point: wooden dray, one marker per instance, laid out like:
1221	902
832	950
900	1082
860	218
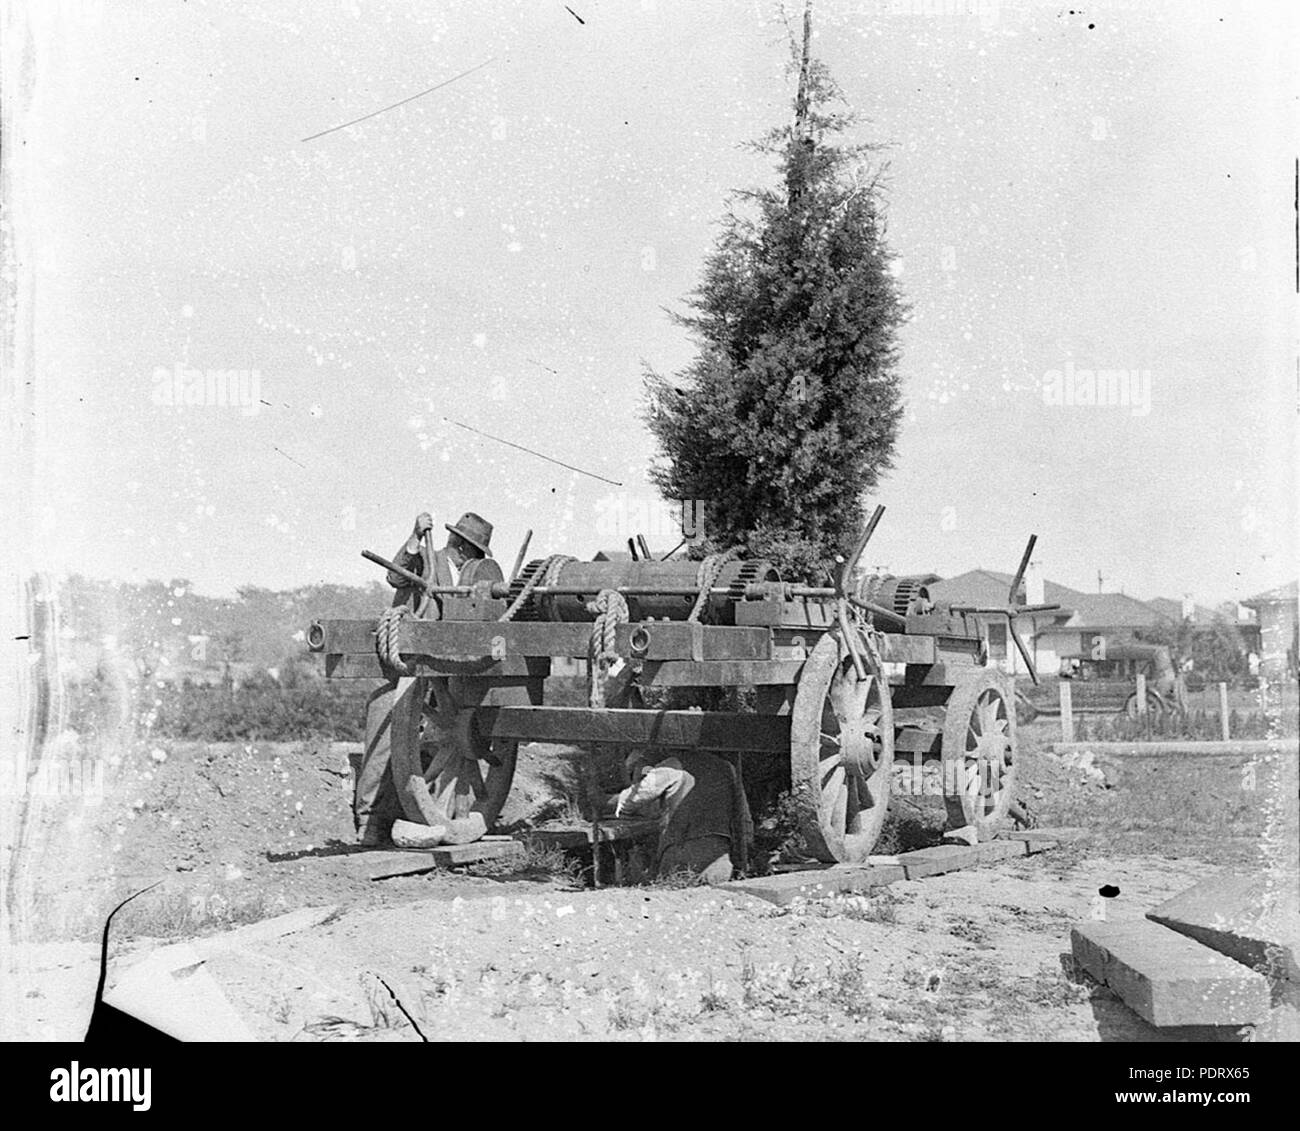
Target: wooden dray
833	669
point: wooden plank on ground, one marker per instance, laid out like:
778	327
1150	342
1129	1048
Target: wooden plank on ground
383	864
810	883
951	857
610	830
1039	840
1168	979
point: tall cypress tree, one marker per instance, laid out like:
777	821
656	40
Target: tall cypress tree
789	413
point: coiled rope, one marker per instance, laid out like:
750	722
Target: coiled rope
610	607
386	635
707	574
390	621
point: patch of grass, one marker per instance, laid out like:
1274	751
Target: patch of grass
1052	988
714	998
380	1005
970	931
849	990
538	862
1212	809
881	906
180	914
384	1013
1196	725
281	1009
671	881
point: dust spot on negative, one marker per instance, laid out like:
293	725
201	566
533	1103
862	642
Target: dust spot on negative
1110	891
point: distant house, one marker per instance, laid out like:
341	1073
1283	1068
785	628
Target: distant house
1277	612
990	588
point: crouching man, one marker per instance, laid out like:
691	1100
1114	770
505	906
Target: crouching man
704	822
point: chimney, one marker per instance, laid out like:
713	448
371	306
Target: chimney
1189	607
1034	587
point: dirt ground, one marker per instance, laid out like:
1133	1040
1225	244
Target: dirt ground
234	834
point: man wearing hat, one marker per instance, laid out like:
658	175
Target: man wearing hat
468	540
467	557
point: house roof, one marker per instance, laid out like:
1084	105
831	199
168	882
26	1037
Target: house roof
1173	610
1091	610
1114	610
989	587
1283	594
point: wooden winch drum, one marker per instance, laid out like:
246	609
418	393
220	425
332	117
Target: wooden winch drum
592	577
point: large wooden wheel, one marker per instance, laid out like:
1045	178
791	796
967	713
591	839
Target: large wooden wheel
435	736
841	753
979	752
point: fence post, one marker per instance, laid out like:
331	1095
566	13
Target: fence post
1141	694
1223	710
1067	712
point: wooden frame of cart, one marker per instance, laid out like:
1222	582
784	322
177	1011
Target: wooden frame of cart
830	666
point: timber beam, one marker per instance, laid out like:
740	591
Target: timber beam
698	730
462	641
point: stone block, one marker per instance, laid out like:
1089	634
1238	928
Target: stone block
1168	979
1245	917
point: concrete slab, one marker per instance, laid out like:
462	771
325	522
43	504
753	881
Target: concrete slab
810	883
1244	917
1168	979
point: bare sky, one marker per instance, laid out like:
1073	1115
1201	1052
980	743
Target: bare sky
1104	190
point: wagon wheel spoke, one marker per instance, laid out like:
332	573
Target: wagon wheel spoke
839	810
473	777
832	787
859	792
438	764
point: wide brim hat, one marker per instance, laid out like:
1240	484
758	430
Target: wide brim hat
475	529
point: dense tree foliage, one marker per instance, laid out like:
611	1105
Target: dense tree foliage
789	413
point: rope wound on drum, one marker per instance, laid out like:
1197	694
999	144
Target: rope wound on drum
707	575
543	576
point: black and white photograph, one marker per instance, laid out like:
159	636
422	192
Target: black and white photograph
651	521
